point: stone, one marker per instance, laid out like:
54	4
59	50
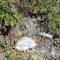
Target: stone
25	43
2	56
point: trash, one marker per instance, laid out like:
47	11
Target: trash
25	43
46	35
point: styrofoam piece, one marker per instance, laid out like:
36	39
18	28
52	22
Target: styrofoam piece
25	43
46	35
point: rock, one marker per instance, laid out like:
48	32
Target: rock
2	56
39	18
46	47
25	43
30	27
16	29
53	53
31	30
38	56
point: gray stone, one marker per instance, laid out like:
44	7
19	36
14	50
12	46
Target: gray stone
2	56
31	30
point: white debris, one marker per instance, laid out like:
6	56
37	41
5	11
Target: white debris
46	35
25	43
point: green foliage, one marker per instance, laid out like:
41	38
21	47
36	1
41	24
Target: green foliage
53	18
7	48
59	58
7	17
51	6
10	15
34	6
18	58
